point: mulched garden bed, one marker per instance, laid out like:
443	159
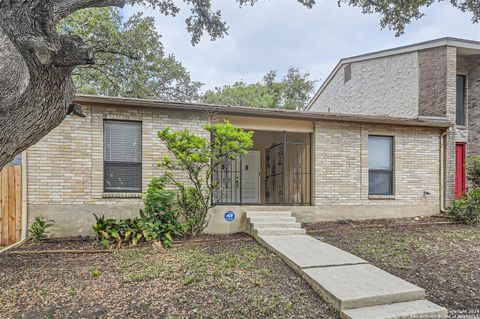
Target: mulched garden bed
207	277
433	253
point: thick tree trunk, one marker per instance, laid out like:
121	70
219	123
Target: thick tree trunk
36	89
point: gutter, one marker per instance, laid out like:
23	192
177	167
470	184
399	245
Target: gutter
97	101
442	171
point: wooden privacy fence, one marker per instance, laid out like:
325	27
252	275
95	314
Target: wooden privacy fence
10	204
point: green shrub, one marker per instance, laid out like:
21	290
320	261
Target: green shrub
38	229
467	208
199	157
473	170
189	203
133	230
158	221
157	200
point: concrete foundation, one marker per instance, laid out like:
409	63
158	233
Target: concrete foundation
73	220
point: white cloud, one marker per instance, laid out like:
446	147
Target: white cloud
279	34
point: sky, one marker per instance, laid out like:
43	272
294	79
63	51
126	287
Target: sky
277	34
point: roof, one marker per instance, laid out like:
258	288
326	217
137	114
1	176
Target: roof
467	47
95	100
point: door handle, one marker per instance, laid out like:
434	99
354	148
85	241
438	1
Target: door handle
236	181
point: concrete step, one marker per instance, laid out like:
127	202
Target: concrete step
250	214
271	219
279	231
403	310
276	225
358	286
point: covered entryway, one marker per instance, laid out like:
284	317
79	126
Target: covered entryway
276	171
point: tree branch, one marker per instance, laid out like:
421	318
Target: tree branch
63	8
73	52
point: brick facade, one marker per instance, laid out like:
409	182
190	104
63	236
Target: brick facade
437	97
470	67
65	169
341	170
432	82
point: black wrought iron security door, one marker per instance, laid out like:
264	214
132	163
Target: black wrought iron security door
274	174
228	179
288	171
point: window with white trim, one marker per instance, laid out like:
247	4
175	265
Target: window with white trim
122	156
380	165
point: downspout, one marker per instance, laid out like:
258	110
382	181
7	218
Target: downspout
442	171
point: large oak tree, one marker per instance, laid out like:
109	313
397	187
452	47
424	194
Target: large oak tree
36	62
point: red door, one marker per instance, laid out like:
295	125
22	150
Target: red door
460	176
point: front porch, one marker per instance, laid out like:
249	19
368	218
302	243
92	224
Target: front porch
276	171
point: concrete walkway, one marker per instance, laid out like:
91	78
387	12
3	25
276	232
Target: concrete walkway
352	285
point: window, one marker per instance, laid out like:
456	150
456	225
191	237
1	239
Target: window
347	73
122	155
380	165
461	81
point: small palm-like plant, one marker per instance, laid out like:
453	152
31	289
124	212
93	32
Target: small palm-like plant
38	229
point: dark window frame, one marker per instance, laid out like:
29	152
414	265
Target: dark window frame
113	163
391	191
461	119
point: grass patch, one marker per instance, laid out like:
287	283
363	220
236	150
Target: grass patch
441	258
238	279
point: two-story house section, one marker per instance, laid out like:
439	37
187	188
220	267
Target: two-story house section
424	81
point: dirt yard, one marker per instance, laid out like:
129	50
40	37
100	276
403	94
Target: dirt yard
234	278
442	258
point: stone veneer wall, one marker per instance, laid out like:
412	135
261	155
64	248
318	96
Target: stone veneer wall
65	169
341	170
386	86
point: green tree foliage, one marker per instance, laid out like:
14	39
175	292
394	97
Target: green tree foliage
199	157
397	14
292	92
130	60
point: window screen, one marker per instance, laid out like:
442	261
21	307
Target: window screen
380	165
460	100
122	154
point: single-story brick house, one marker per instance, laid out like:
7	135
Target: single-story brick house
378	140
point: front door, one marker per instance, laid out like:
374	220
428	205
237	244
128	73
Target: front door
460	176
239	180
251	178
